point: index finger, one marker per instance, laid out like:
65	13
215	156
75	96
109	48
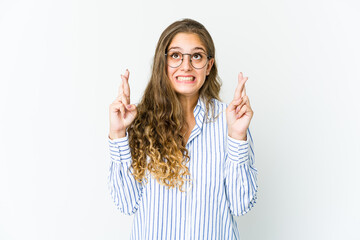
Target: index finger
244	91
239	91
124	78
120	89
126	85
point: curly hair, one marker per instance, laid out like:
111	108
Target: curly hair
155	136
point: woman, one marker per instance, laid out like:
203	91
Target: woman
182	161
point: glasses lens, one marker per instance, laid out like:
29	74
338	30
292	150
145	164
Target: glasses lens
174	59
198	60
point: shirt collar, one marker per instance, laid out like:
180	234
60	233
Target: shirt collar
199	112
200	104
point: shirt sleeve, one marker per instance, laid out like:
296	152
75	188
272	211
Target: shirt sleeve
125	191
240	175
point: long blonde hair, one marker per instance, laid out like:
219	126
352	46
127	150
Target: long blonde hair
155	137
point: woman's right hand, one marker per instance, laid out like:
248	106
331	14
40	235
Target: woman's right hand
122	113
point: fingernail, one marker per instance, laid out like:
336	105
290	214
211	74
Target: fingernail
128	106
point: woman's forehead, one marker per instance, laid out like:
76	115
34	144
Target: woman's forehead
181	49
187	42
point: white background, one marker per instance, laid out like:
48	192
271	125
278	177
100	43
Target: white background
60	66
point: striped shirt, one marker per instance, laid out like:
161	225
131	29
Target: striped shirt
224	185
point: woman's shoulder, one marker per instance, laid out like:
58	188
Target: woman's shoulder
219	106
218	102
216	109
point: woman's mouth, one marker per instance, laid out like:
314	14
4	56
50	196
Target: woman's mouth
185	79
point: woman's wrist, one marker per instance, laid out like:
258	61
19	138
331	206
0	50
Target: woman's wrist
115	135
242	137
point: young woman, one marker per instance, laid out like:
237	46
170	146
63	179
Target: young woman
181	160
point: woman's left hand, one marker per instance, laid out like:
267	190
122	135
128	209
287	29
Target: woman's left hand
239	112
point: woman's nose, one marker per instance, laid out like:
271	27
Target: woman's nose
186	63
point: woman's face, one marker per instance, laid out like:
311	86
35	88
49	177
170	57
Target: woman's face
185	79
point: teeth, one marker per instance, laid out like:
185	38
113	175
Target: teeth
186	78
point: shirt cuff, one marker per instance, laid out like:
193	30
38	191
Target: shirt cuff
120	149
237	150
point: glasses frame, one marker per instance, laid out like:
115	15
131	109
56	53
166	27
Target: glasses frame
182	59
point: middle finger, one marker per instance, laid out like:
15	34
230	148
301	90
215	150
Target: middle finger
240	86
126	86
125	89
120	89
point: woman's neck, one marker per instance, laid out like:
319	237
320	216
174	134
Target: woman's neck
188	104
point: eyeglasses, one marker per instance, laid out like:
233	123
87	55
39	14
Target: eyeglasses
197	60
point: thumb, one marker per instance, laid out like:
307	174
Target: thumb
234	103
130	107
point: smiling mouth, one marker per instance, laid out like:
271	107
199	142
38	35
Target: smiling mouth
185	79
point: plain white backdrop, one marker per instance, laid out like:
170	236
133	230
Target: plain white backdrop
60	66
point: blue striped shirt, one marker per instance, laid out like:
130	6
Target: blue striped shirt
224	185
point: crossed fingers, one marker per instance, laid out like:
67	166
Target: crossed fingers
240	89
240	98
124	92
124	89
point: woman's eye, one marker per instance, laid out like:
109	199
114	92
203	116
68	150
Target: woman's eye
175	55
197	56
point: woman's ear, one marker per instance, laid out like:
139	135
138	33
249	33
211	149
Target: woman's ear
209	66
